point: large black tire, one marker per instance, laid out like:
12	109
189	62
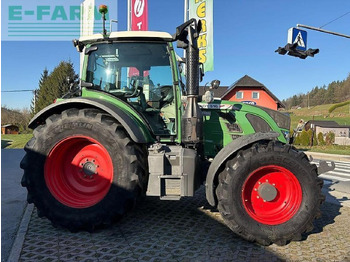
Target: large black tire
81	170
269	193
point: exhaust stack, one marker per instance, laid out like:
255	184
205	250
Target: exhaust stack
192	119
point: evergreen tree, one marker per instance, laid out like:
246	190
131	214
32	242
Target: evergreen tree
55	85
43	78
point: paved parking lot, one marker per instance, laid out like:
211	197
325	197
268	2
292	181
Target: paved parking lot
183	230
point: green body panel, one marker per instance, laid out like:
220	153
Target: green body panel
220	124
122	105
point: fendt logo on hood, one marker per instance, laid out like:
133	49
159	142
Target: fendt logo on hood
139	7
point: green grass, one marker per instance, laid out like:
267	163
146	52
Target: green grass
333	149
15	141
341	114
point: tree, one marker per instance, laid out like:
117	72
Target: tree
320	139
43	78
330	138
16	117
55	85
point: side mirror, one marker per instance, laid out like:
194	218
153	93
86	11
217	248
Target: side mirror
201	72
215	84
78	45
208	96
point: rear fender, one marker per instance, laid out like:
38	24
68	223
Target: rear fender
226	153
137	130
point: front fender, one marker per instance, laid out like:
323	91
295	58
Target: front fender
224	154
136	129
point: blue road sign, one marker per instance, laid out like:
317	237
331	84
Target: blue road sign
296	35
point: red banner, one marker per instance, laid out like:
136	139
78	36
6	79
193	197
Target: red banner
139	15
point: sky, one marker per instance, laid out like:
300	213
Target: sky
246	35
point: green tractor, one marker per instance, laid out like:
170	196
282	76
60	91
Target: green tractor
132	128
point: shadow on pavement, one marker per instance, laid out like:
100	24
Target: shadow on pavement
330	210
5	143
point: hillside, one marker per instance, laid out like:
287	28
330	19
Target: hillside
19	118
335	92
321	112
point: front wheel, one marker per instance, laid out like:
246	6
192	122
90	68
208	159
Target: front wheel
269	193
81	170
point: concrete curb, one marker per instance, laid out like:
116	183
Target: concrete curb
324	156
21	233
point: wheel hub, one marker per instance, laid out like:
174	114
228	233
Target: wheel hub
89	168
79	171
267	192
271	194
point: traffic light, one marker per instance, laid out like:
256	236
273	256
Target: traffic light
292	50
311	52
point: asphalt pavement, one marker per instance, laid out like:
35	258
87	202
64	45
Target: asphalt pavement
25	237
13	198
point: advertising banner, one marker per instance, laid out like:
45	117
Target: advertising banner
203	10
59	20
139	15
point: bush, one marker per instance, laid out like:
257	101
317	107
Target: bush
303	138
330	138
333	107
320	139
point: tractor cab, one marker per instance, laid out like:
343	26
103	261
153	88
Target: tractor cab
139	68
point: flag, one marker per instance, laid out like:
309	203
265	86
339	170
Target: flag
87	17
139	15
203	10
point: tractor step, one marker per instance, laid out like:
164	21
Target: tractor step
172	172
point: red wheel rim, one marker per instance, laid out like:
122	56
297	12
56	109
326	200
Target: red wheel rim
78	172
271	195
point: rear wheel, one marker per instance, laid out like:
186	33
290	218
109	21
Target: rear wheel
82	170
269	193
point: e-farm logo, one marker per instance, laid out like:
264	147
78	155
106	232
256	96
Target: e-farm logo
51	20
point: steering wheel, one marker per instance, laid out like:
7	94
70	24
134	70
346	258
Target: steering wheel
134	86
167	95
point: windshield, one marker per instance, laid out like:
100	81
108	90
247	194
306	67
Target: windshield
141	74
122	68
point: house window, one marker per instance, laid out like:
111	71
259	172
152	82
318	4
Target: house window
255	95
239	95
